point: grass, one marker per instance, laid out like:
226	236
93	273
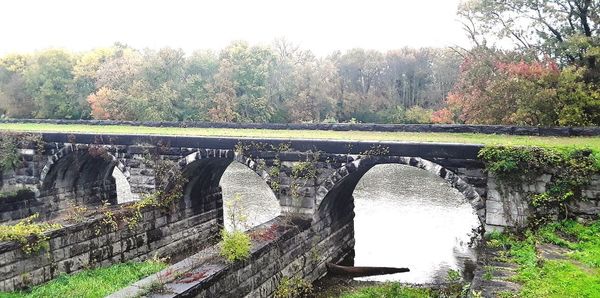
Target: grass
471	138
577	275
453	288
390	290
92	283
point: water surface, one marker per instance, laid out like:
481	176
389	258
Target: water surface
405	217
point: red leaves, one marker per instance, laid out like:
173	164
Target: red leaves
190	277
443	116
529	70
268	234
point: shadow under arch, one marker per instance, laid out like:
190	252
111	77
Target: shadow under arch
85	174
334	197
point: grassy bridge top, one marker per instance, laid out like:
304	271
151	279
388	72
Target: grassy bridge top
592	142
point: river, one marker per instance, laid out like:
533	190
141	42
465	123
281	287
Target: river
405	217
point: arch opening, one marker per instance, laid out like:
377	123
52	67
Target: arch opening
82	178
203	176
406	212
246	191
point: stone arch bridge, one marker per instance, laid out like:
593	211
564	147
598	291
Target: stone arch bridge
312	179
307	176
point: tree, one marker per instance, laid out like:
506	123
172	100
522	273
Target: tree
250	68
222	90
360	84
49	79
15	101
199	73
498	90
84	75
313	99
118	87
564	30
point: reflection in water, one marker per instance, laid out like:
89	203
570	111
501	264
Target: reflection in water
408	217
257	200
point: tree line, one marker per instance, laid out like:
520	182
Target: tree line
242	82
532	62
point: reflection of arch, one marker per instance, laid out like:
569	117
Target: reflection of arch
79	168
334	196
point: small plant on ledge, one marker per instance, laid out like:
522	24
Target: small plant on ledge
236	243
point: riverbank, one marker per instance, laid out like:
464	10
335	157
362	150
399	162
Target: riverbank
464	138
329	287
558	260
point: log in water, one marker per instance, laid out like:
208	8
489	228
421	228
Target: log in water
351	271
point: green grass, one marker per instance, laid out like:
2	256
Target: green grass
589	142
390	290
578	275
93	282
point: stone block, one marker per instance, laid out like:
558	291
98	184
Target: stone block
7	257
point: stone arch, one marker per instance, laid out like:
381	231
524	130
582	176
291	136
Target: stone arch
203	168
335	193
77	169
253	165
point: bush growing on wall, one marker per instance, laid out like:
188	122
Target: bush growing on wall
236	243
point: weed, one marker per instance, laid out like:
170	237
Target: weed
293	287
29	234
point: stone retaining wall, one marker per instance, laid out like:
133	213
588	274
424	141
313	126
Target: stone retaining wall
450	128
160	233
49	203
508	207
301	251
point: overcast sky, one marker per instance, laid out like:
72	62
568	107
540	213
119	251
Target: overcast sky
322	26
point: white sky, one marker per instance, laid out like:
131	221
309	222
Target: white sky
322	26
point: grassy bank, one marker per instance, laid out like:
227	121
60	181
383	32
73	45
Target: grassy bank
559	260
92	283
391	290
589	142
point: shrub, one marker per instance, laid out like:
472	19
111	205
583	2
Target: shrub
235	246
418	115
294	287
29	234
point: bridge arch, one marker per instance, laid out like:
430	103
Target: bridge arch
204	170
76	169
334	196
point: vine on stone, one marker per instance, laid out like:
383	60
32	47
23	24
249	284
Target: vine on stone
570	169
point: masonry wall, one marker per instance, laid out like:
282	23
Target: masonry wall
507	206
303	255
161	233
49	203
302	249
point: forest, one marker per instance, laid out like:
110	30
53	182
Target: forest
532	62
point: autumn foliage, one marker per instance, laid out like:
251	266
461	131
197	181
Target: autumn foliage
494	88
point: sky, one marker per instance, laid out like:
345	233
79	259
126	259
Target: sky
321	26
